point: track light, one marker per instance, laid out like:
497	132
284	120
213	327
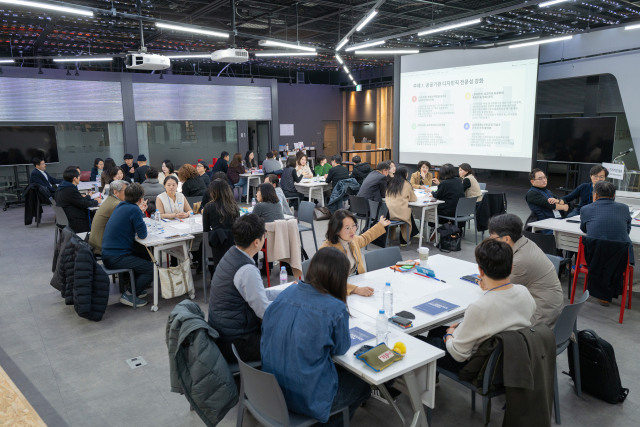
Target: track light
286	54
449	27
549	3
367	19
340	61
6	61
628	27
362	46
271	43
386	52
83	59
542	41
346	70
342	43
48	6
191	30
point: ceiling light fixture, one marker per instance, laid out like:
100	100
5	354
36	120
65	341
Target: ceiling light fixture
83	59
366	20
287	54
340	61
362	46
549	3
48	7
517	41
543	41
386	52
191	30
628	27
3	61
271	43
342	43
449	27
346	70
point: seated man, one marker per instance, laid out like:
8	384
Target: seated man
337	172
360	170
129	167
118	243
140	173
116	195
74	204
237	301
271	165
503	307
41	177
541	201
585	191
152	187
221	164
374	186
531	269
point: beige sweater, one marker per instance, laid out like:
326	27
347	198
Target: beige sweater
496	311
399	204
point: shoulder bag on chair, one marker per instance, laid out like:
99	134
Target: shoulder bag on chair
175	281
450	239
321	213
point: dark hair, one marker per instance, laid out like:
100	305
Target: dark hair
113	172
133	193
467	168
299	156
250	163
221	176
356	159
328	273
204	165
447	171
96	161
247	229
269	154
236	161
291	162
383	166
151	172
595	170
75	167
221	199
495	258
169	165
605	189
170	177
335	224
422	163
70	173
37	160
273	179
109	164
397	182
223	154
128	156
532	174
337	158
268	193
320	158
506	225
187	172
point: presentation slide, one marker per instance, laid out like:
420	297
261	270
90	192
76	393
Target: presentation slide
466	106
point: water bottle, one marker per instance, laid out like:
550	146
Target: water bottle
180	209
154	222
382	327
157	224
253	202
387	299
192	221
283	276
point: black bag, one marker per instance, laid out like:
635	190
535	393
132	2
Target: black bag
598	368
450	239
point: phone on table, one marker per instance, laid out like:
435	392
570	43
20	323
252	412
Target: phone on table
400	321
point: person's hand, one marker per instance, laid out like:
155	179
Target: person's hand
182	215
91	193
142	205
364	291
385	222
132	170
552	200
326	175
562	207
437	181
99	199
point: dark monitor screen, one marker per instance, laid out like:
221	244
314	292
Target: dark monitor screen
20	144
577	140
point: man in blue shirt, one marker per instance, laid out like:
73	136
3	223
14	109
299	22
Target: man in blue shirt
41	177
585	191
118	242
541	201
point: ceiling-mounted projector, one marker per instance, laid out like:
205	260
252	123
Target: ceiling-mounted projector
147	61
230	55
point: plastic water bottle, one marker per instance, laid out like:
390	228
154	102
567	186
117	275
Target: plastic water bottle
157	223
154	222
283	276
192	221
387	299
382	327
253	202
180	208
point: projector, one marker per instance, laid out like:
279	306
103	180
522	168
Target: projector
230	55
147	61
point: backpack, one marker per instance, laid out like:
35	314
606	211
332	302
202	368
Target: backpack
450	238
598	368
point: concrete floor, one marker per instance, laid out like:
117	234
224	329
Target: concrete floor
73	371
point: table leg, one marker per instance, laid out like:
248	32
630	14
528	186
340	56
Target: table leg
385	393
321	190
248	182
415	395
310	194
185	251
422	227
156	255
435	214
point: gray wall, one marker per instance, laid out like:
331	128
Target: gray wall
306	106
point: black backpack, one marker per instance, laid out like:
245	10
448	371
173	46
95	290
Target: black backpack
598	368
450	238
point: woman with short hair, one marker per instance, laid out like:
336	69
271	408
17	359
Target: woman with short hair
171	204
202	169
192	185
470	183
288	180
268	207
235	170
96	170
275	182
449	190
422	179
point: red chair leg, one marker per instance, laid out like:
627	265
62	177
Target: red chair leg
625	288
574	284
630	286
266	263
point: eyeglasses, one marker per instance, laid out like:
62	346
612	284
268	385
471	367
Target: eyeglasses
544	178
350	227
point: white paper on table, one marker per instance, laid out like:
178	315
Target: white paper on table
180	225
96	195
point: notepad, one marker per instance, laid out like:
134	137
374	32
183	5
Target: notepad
471	278
436	306
359	336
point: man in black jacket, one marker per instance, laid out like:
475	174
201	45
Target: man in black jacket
360	170
139	174
374	186
337	172
221	163
41	177
129	167
75	206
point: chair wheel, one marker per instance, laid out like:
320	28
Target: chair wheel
154	308
4	209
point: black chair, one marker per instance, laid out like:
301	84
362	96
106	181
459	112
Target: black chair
384	211
547	243
359	207
39	207
465	211
381	258
305	214
373	215
61	220
305	267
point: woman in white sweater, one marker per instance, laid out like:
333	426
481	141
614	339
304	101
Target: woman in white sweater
503	307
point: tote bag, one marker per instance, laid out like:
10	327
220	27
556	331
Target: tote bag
175	281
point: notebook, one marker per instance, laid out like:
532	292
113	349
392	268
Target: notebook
471	278
436	306
359	336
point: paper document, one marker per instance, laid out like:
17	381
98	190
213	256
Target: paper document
96	195
180	225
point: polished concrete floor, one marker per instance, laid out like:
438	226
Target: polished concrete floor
73	371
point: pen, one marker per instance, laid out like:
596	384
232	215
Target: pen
435	278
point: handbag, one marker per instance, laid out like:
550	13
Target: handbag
322	213
175	281
450	238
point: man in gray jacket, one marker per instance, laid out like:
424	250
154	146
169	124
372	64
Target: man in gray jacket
531	269
152	187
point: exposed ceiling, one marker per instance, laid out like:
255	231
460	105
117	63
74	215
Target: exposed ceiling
28	32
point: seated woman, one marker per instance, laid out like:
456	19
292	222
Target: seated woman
503	307
341	234
109	164
392	171
470	183
302	168
192	185
115	174
250	161
96	170
399	194
422	179
171	204
268	207
219	214
302	329
202	169
275	182
235	170
322	168
288	180
449	190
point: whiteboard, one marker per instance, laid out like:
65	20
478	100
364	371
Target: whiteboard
286	130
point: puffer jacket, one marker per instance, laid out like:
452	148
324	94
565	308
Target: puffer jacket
67	234
340	191
196	365
361	171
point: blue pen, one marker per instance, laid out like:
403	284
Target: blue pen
430	277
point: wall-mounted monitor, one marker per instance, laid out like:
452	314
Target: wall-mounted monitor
20	144
576	140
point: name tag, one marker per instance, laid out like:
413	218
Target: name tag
557	214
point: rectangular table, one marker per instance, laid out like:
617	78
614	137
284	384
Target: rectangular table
250	176
431	209
309	186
